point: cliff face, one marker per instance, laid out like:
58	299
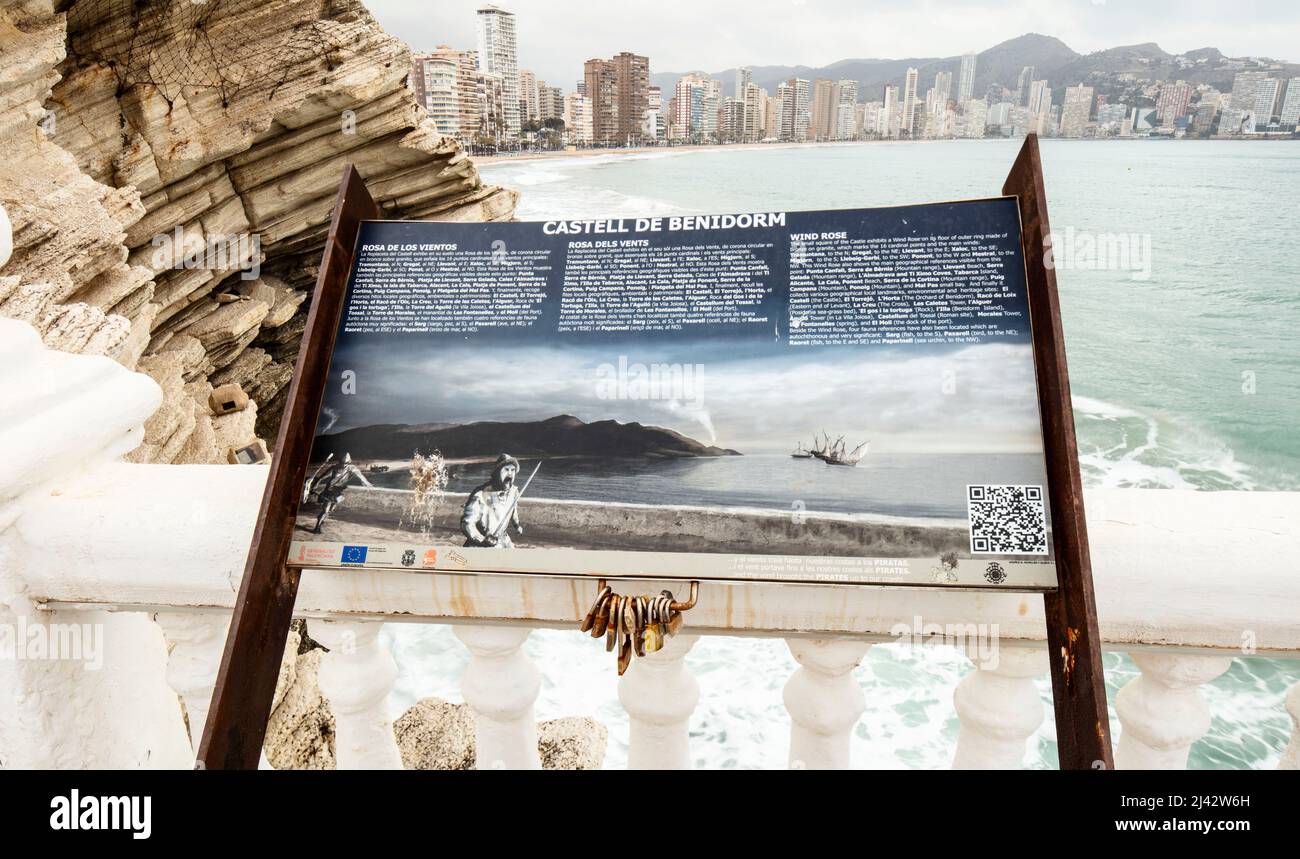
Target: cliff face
169	172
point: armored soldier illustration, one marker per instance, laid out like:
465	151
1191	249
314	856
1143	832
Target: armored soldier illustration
326	487
493	506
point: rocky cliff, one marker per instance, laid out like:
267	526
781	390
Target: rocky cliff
169	169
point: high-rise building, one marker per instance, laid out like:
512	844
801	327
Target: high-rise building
966	80
433	79
1024	84
887	125
784	112
446	84
619	90
1173	100
1076	110
1203	119
550	102
602	92
999	114
909	101
577	118
1289	116
698	99
498	55
772	117
1112	113
800	108
685	107
490	90
1244	85
974	118
632	78
731	120
655	120
744	77
756	101
918	119
849	122
942	88
1266	102
528	96
825	109
1040	98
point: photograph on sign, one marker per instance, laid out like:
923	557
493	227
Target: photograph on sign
839	396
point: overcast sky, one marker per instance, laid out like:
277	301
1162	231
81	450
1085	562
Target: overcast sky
556	36
755	402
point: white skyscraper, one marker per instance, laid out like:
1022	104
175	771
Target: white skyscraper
498	55
886	126
1291	105
744	77
966	79
909	100
1266	98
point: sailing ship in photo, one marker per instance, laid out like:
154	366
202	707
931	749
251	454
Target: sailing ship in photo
832	453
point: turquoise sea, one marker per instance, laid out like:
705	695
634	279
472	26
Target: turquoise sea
1184	361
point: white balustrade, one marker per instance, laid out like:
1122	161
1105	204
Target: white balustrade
659	694
197	640
824	701
355	677
999	707
1162	712
500	685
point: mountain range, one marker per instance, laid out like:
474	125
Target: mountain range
562	435
1052	59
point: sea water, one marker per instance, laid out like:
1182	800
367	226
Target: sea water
1180	295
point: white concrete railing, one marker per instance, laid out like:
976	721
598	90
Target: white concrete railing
1185	581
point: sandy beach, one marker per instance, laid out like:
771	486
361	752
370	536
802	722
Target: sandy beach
377	515
494	160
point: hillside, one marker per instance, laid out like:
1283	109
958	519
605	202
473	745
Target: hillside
1001	63
562	435
1052	59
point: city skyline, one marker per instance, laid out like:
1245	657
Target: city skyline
487	99
817	33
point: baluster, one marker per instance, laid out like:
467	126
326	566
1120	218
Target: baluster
824	701
500	685
1162	711
659	694
197	640
355	677
1291	754
999	707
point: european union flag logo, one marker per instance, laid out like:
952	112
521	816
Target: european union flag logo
354	554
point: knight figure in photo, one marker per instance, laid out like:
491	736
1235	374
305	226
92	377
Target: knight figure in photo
327	485
493	506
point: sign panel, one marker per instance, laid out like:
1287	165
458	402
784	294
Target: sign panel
834	397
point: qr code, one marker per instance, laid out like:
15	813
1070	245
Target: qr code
1007	520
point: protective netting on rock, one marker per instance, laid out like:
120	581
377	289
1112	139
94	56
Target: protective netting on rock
175	45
